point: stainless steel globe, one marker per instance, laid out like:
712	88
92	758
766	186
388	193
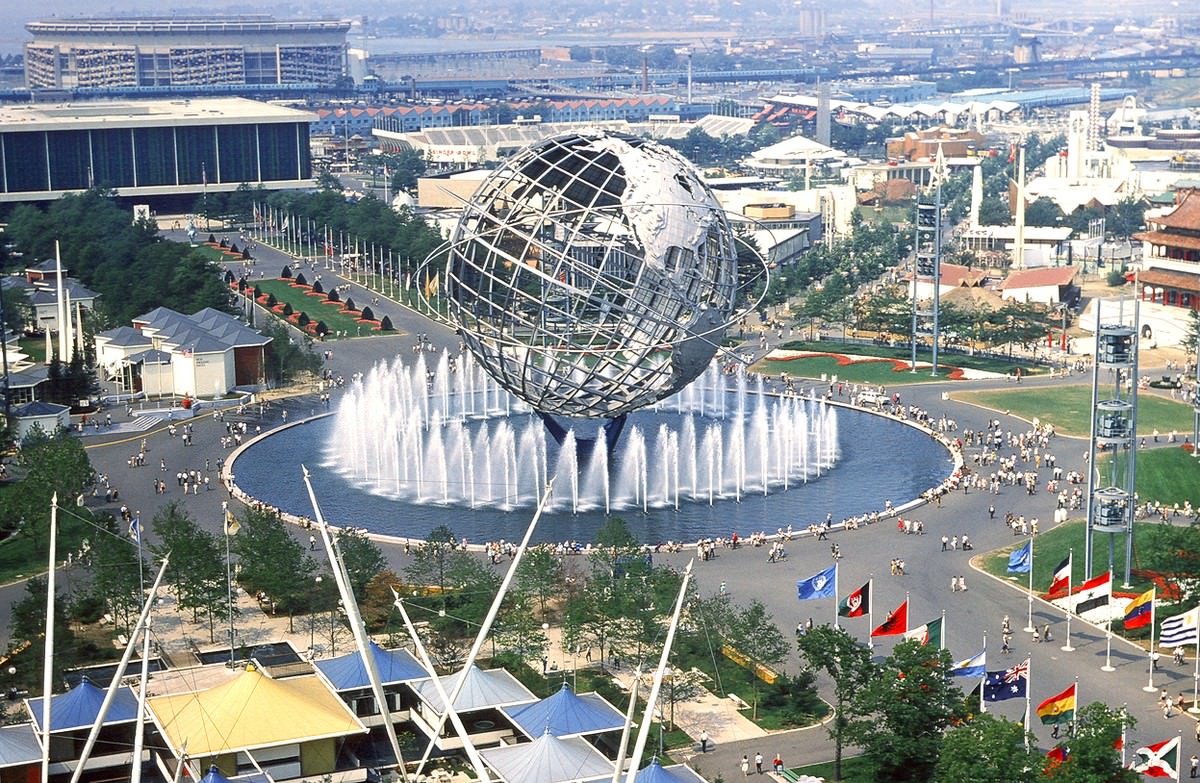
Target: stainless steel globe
592	274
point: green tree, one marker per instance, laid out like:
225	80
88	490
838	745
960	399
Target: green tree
1171	550
754	632
28	623
1191	342
848	664
273	562
540	576
988	749
327	180
47	464
17	312
286	360
1043	212
1094	756
899	716
518	632
362	557
197	574
116	579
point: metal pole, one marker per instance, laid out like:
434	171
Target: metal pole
48	661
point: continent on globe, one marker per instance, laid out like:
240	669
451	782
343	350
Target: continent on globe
593	274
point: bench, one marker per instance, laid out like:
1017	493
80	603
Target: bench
738	702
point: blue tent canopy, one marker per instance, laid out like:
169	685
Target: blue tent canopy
347	672
565	714
79	707
214	776
654	772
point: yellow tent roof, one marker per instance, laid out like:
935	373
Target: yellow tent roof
252	711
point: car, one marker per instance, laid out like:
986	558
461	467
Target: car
870	398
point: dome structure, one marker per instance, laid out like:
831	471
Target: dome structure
593	274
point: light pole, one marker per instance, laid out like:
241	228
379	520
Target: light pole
312	622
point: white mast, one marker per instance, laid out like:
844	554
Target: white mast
117	675
60	306
656	686
356	625
1019	242
48	661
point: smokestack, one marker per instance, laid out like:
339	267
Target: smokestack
824	130
1019	243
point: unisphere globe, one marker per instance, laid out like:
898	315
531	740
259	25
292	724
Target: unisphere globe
592	274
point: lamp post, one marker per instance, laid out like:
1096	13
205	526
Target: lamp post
312	622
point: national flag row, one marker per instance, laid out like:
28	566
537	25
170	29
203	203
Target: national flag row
1096	593
1157	760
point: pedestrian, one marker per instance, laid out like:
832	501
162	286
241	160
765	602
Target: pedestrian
704	741
945	543
1194	763
1046	632
962	584
312	543
758	763
991	512
745	766
1167	707
1037	635
777	763
954	584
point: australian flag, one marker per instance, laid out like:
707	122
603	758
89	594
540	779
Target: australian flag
1007	684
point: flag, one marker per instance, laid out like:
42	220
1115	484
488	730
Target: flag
1058	709
286	223
1062	576
971	667
1094	593
896	622
1160	760
1140	610
1020	561
930	631
1007	684
821	585
857	603
1057	755
231	524
135	529
257	215
1181	629
431	286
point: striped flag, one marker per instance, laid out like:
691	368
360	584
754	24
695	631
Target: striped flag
1140	610
1160	760
1062	576
971	667
1059	708
1181	629
929	632
1094	593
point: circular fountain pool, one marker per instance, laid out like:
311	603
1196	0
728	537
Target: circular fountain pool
411	448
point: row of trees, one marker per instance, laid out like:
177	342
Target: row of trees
127	263
913	723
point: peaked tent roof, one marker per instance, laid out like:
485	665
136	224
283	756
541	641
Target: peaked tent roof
548	759
252	711
125	335
483	689
1186	215
214	776
565	714
40	408
19	746
79	707
654	772
348	672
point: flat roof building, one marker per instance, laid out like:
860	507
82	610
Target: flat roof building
149	148
184	52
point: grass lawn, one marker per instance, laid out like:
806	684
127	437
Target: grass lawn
876	373
923	355
215	253
855	769
317	310
1168	475
25	555
34	348
1068	408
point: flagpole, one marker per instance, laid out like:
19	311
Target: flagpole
1067	607
1124	713
229	591
1195	708
835	594
48	660
906	611
942	632
983	682
1150	683
1029	622
870	609
1108	667
1028	690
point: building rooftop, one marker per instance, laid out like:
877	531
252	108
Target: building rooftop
198	24
146	113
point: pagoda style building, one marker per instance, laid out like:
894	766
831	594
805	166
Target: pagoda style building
1170	273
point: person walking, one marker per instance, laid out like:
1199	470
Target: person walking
777	763
704	741
745	766
758	763
1194	764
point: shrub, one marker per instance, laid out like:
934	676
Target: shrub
212	240
322	329
368	314
317	287
334	297
271	300
350	304
286	274
222	243
257	291
1116	276
228	276
303	319
287	309
245	254
386	324
233	248
301	279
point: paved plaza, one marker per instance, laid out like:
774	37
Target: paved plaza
866	553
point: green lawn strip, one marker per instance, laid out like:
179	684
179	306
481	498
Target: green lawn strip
872	372
855	769
1068	408
34	348
1050	549
986	363
1169	475
316	308
216	254
23	555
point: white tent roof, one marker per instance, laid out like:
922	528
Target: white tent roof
483	689
549	759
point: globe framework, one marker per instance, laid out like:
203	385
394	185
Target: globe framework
593	274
